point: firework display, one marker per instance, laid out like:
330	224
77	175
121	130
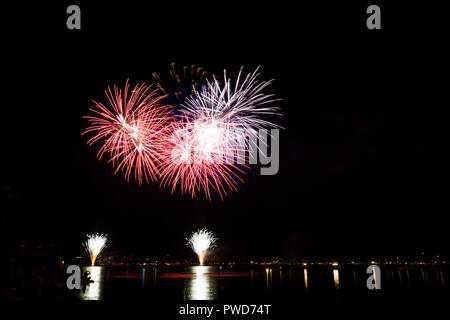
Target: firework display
208	145
94	244
200	145
200	241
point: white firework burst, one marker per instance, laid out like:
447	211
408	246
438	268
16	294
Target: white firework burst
238	106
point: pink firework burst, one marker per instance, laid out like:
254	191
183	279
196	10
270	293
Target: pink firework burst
199	157
130	129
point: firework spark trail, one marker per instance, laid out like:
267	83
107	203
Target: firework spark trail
183	80
206	150
94	244
130	129
200	241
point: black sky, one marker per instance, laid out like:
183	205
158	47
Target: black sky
364	157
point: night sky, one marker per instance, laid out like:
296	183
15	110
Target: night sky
364	164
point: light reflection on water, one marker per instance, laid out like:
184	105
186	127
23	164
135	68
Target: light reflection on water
201	286
94	290
305	276
336	278
204	282
269	277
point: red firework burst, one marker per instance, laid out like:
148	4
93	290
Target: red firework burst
130	129
198	157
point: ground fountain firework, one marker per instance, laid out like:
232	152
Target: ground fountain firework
94	244
201	241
